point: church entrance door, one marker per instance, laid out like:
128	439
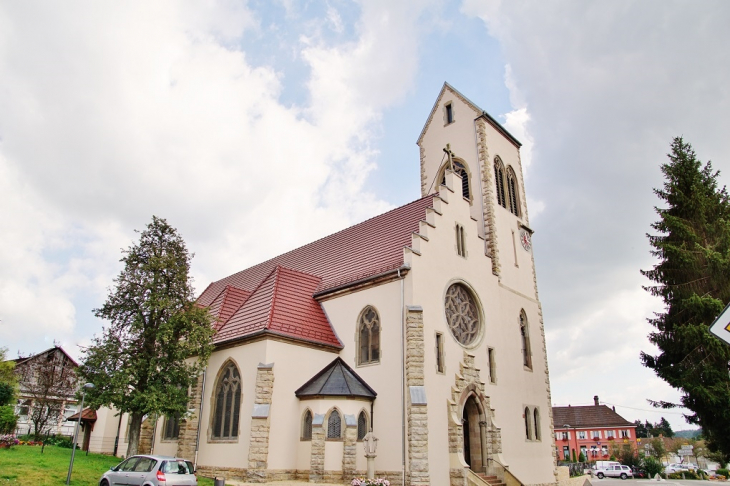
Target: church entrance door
472	435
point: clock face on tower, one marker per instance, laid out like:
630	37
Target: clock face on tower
525	240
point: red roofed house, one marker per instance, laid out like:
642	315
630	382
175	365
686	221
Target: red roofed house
422	325
592	430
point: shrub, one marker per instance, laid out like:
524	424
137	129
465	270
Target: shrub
8	440
60	441
370	482
652	466
722	472
8	419
679	475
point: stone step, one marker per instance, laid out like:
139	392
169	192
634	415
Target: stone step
492	480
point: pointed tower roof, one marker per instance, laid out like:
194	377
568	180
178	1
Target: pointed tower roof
477	112
336	380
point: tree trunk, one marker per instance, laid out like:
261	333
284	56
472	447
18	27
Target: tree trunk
135	425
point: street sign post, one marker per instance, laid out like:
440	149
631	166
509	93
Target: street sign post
721	326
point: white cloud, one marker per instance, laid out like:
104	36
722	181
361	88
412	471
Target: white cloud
111	112
606	86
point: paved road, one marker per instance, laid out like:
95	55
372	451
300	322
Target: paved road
646	482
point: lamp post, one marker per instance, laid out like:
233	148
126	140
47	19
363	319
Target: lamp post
87	386
370	442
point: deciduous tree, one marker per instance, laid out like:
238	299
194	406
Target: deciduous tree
47	380
157	340
692	244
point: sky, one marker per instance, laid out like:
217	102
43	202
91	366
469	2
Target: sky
256	127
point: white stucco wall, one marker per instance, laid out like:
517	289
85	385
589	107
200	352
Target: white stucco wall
432	272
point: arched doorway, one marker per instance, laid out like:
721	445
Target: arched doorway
473	430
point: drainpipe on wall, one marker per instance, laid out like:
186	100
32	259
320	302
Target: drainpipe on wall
200	419
403	379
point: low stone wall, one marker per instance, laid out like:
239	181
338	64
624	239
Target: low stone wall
575	481
272	475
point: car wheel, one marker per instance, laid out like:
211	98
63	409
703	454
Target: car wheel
104	482
623	476
600	475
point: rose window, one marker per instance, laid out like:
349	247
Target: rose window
462	314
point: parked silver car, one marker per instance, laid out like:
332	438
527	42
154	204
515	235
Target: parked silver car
150	470
619	471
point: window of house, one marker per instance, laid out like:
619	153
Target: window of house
439	352
227	403
536	416
362	425
369	335
459	168
610	434
460	242
528	426
449	113
462	314
307	425
595	434
582	434
525	337
604	450
171	428
499	182
566	453
594	451
584	451
492	366
334	425
625	434
514	201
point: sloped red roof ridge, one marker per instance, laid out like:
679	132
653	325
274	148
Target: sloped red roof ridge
588	416
226	304
364	250
282	304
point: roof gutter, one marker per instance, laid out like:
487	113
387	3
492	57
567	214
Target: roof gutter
394	274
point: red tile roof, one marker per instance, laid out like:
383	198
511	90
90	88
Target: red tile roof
88	415
364	250
227	302
282	305
276	296
588	416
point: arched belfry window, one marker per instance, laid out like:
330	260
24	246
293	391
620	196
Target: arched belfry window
307	425
334	425
499	182
362	425
459	168
538	435
514	200
369	336
227	403
525	337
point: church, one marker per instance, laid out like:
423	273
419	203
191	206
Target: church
421	326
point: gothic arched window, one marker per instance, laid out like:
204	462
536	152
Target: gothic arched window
171	427
538	435
334	425
369	336
307	425
227	403
362	425
528	429
499	182
525	337
514	200
460	169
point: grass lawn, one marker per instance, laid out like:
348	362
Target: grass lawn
26	465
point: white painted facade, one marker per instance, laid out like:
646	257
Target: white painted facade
503	290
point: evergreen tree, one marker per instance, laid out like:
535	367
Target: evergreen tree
691	277
158	340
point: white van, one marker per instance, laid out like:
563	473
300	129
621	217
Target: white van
605	464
